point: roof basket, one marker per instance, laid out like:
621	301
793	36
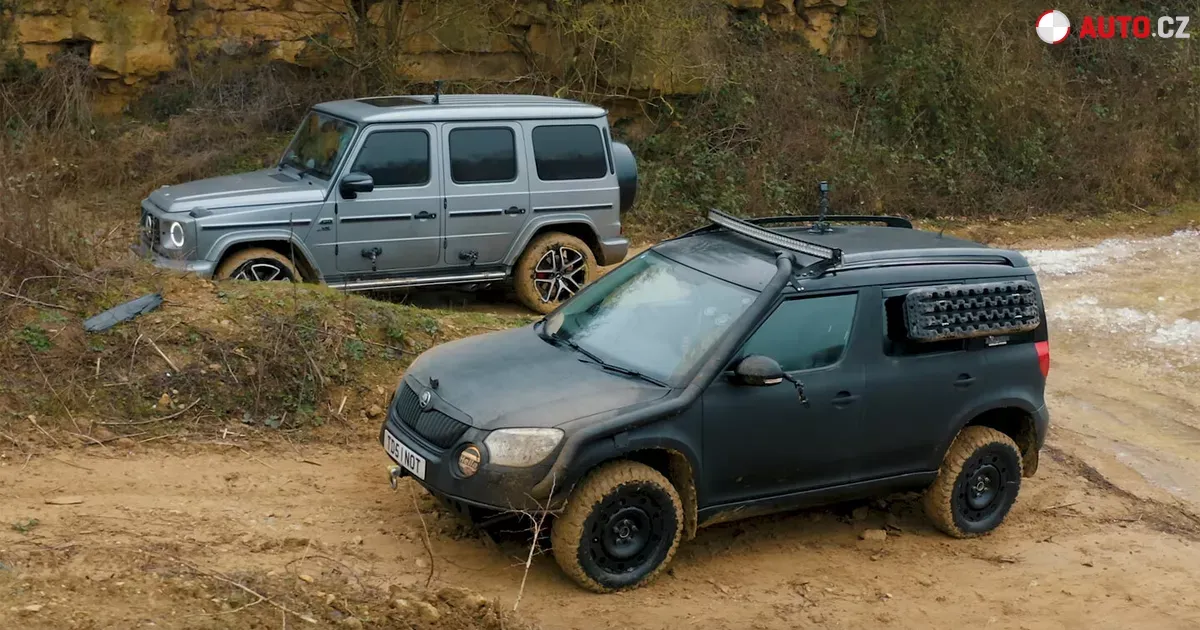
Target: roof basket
831	254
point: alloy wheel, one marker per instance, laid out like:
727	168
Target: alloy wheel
559	274
261	270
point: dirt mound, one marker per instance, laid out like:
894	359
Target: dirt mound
214	359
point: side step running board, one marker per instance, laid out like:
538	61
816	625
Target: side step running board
426	281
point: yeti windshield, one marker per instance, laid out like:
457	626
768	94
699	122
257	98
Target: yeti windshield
652	316
318	145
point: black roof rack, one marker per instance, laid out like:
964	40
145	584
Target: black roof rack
745	228
896	222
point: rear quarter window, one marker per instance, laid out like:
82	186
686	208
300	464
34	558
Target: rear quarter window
896	342
567	152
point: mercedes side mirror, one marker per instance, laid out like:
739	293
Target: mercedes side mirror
758	371
355	183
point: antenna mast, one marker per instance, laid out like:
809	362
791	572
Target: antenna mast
821	224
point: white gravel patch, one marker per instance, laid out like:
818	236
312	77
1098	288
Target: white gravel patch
1063	262
1180	335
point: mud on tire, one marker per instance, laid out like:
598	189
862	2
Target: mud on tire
553	267
257	263
620	528
971	310
977	483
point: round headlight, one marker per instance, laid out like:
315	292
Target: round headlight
468	460
176	234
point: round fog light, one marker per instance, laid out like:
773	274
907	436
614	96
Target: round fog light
176	235
468	460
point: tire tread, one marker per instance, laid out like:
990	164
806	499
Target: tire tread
938	497
567	532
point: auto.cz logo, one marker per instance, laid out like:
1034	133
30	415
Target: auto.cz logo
1054	27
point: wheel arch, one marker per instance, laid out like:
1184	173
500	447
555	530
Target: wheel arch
581	227
284	244
674	459
1013	419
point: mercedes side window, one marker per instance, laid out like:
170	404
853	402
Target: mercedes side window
806	333
566	152
395	158
484	155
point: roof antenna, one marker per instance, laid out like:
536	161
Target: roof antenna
437	91
821	226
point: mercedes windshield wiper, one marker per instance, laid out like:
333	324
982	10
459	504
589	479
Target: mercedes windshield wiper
554	338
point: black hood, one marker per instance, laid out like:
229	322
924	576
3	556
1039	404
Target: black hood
514	378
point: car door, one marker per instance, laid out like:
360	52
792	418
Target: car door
395	227
917	391
486	190
763	441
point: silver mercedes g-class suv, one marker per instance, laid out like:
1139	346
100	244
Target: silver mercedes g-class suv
407	191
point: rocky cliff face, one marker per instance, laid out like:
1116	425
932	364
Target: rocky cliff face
645	46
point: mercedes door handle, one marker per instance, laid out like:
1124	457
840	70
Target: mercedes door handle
844	398
426	215
964	380
514	210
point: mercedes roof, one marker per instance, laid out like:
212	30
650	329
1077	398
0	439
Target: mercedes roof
452	107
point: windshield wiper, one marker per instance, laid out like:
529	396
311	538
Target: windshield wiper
554	338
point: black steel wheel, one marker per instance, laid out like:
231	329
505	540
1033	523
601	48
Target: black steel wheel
977	484
620	528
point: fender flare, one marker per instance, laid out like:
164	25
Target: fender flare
223	244
536	225
1006	401
682	463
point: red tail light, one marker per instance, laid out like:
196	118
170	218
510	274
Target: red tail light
1043	350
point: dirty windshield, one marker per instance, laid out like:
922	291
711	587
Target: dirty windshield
318	145
651	315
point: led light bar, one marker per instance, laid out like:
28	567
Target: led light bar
771	237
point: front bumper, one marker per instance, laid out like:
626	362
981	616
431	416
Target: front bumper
202	268
491	490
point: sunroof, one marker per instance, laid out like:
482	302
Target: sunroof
392	101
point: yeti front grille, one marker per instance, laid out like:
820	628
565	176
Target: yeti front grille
432	425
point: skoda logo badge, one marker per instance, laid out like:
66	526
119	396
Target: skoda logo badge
426	398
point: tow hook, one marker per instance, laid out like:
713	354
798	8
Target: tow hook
394	475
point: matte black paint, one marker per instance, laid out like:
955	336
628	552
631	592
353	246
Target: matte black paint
873	423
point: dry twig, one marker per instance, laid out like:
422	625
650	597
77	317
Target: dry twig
538	524
240	586
33	301
55	392
428	545
171	363
152	420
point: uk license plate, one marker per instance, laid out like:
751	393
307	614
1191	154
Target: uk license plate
403	455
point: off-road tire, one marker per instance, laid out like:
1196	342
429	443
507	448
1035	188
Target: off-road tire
946	501
971	310
233	262
572	534
525	274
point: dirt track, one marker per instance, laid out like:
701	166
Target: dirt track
1105	536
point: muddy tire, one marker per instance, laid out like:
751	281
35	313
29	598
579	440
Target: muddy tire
620	528
553	267
977	483
259	264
